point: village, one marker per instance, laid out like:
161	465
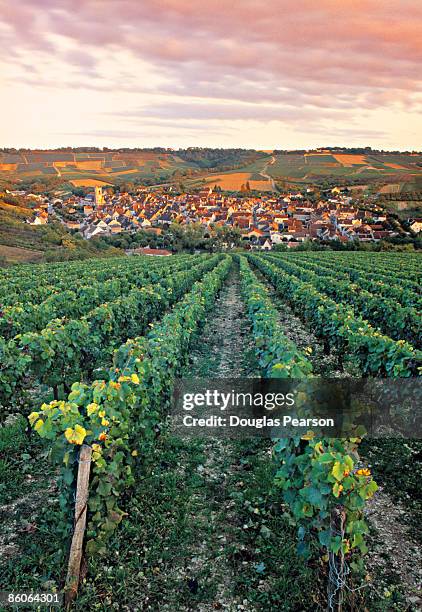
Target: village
263	221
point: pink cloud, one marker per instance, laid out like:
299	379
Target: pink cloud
306	56
241	34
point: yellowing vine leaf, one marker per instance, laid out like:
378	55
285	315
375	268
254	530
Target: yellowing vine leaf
75	435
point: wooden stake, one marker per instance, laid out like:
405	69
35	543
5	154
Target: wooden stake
334	590
75	556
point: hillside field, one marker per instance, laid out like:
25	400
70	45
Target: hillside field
22	242
15	255
400	169
89	169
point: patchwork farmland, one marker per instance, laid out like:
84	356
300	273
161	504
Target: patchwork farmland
82	169
263	173
403	169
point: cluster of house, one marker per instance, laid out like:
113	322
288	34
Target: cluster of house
290	217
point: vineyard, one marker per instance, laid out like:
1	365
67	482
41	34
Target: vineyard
89	352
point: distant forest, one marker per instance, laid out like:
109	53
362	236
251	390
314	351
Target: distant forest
197	153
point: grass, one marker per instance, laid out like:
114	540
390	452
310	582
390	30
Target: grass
233	181
30	550
173	508
13	436
321	159
19	254
397	464
88	182
351	159
269	572
187	529
184	529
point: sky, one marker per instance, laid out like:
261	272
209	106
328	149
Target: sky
257	74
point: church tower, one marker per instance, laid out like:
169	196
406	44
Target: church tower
99	198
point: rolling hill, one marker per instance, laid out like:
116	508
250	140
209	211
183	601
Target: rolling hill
80	168
24	243
229	169
402	169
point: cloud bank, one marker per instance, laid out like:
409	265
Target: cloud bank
262	73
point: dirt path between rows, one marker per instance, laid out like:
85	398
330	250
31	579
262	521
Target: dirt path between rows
224	350
392	550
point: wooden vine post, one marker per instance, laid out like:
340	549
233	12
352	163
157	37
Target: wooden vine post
75	556
336	578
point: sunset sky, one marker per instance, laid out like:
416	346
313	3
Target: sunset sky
250	73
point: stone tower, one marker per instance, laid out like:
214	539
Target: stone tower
99	198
